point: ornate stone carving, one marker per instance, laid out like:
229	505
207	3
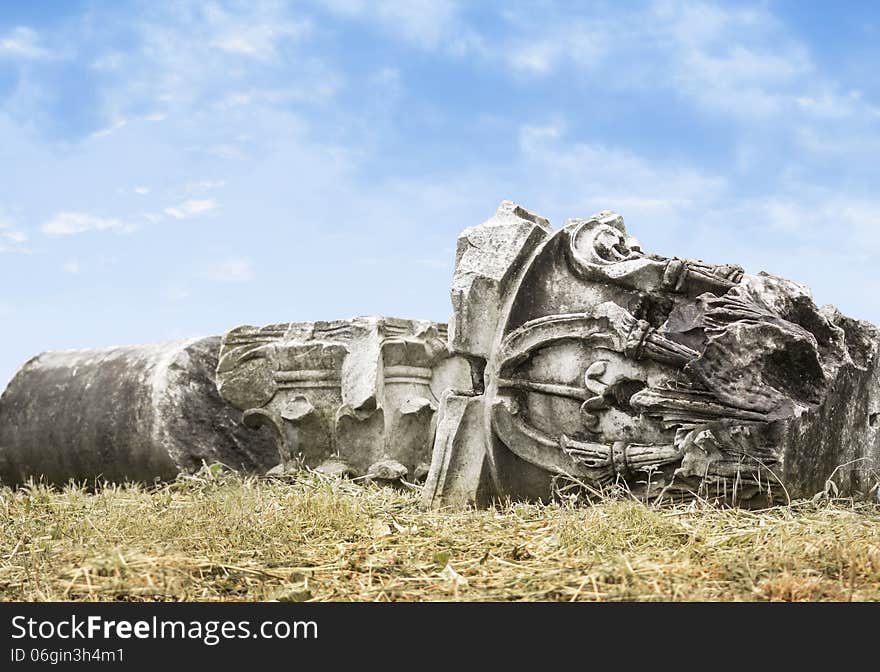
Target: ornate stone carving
572	355
354	397
601	363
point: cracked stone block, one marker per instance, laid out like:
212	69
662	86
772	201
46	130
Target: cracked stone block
459	471
486	261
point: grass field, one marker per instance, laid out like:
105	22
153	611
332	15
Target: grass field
220	537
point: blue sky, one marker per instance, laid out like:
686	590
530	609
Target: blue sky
176	169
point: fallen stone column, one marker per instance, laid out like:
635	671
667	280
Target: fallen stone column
138	413
356	397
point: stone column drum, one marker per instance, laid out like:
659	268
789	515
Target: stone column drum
137	413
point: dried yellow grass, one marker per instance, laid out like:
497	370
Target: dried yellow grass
221	537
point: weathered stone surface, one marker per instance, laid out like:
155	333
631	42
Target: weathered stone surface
131	413
602	363
486	261
387	471
352	396
459	473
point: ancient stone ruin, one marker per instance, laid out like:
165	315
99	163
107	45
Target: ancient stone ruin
349	397
573	359
603	363
137	413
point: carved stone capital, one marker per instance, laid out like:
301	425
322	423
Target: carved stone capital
679	377
349	396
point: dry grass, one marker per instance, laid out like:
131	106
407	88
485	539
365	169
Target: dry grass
219	537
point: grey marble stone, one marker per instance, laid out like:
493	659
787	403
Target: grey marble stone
573	357
138	413
600	364
355	397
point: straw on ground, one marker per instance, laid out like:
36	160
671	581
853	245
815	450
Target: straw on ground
217	536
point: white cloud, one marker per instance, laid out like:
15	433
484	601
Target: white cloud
112	127
319	88
423	22
581	178
236	269
740	80
109	62
197	186
16	237
740	64
71	223
71	267
531	137
191	208
226	151
849	144
542	52
828	103
259	41
11	239
426	24
122	122
537	58
181	56
445	263
23	42
816	217
177	293
142	191
737	61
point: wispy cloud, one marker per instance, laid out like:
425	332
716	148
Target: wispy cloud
733	59
235	269
200	186
72	266
122	122
542	56
23	42
177	293
72	223
111	128
261	40
426	24
830	104
580	178
192	208
11	238
227	151
16	237
814	217
721	130
185	54
445	263
9	234
321	88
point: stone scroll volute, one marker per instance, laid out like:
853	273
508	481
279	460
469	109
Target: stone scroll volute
610	365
